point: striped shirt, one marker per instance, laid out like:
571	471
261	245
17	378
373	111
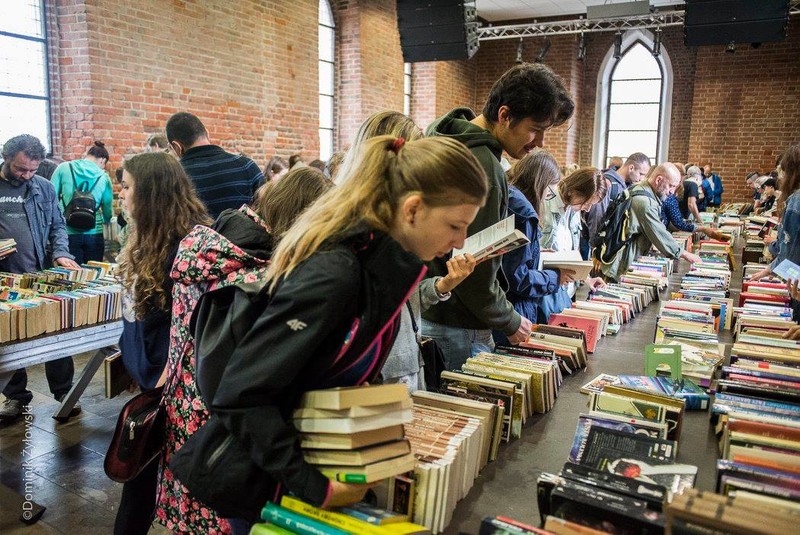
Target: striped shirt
222	180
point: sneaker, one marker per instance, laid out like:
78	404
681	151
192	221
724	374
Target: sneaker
11	410
76	409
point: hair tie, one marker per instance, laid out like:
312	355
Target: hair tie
397	144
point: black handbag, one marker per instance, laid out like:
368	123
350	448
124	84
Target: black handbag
432	356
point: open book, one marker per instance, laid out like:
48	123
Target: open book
493	241
567	260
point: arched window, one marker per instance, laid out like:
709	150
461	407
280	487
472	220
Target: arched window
634	101
24	93
326	61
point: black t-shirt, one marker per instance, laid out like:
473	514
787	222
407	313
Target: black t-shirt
689	190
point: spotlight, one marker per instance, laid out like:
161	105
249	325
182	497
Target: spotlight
657	42
543	51
519	51
618	46
731	48
581	47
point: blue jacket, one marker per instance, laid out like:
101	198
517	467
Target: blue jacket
46	222
526	283
789	234
718	189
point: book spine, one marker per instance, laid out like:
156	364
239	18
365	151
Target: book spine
694	401
296	523
337	520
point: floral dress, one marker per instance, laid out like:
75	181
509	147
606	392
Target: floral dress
206	260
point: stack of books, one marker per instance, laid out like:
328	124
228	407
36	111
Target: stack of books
296	516
706	512
566	346
355	434
7	246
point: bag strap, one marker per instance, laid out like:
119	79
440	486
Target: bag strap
413	321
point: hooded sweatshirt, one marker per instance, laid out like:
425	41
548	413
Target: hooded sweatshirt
236	249
480	301
88	176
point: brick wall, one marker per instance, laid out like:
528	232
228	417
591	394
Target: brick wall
746	108
438	87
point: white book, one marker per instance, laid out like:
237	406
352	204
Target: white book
493	241
352	425
567	260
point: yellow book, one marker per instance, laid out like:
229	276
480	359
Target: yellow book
349	523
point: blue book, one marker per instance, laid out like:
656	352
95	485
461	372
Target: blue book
694	396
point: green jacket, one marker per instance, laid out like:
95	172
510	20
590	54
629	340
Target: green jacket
479	302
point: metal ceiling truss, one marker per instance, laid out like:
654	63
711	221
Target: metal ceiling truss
656	19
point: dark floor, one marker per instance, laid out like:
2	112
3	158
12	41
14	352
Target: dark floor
66	461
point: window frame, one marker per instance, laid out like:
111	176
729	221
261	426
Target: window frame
326	23
47	98
407	84
602	111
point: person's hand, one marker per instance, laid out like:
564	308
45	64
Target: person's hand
595	282
343	494
766	272
66	262
794	291
522	333
691	257
769	238
566	276
793	333
458	268
715	234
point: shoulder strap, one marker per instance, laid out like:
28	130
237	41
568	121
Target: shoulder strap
413	321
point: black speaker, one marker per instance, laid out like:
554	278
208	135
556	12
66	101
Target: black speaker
437	30
718	22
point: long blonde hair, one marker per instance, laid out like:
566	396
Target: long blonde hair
382	123
165	208
443	171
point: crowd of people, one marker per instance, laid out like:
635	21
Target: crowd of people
325	274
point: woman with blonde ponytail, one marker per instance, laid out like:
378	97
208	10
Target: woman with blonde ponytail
325	317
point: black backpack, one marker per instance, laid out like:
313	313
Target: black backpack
612	234
81	211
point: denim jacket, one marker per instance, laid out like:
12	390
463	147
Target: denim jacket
789	234
46	221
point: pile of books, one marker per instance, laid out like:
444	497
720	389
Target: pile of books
7	246
33	304
355	434
296	516
706	512
565	346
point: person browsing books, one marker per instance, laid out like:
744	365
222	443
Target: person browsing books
522	105
235	249
325	316
30	215
789	212
527	182
151	184
561	226
645	223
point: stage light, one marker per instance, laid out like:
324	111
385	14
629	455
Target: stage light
731	48
519	51
657	42
618	46
543	51
581	47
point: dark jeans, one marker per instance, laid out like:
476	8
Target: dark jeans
85	247
59	374
138	502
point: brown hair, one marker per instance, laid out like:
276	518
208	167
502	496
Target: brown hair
281	202
790	182
165	208
584	183
443	171
532	174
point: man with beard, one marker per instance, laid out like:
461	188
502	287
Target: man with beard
644	221
29	213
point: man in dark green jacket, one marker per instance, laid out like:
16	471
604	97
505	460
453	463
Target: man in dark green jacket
525	102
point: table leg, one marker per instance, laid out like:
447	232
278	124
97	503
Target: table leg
62	415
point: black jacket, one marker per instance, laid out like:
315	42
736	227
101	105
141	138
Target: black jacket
257	354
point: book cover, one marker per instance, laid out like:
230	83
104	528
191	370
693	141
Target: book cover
117	378
297	523
350	441
347	397
371	472
360	457
599	383
588	325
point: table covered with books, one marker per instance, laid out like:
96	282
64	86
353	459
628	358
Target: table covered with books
58	313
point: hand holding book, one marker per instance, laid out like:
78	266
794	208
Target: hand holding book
458	268
343	494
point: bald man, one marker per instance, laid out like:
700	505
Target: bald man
644	221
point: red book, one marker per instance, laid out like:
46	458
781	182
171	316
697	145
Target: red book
590	326
762	298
